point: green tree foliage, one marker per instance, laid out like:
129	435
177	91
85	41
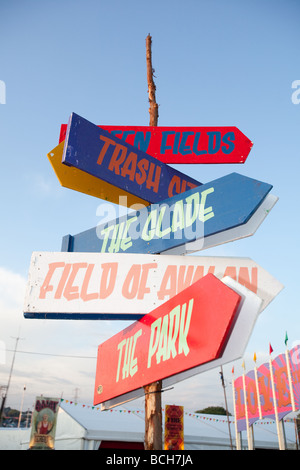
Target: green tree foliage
213	410
12	413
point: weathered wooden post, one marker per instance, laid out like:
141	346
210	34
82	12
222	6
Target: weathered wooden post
153	412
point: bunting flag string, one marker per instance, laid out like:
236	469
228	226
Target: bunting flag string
196	416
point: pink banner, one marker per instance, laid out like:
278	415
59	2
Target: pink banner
252	400
294	360
283	391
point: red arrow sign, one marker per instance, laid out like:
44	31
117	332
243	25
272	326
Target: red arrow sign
190	329
184	144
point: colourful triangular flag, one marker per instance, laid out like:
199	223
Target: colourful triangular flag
270	349
254	357
286	338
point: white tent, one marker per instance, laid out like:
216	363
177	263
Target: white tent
84	427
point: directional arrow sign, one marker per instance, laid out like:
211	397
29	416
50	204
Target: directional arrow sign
246	316
91	149
77	180
184	144
189	330
124	286
242	231
215	207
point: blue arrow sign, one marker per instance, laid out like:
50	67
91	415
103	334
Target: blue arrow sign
212	208
91	149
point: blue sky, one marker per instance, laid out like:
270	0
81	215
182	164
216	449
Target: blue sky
225	63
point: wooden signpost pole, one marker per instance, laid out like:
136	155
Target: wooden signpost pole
153	110
153	412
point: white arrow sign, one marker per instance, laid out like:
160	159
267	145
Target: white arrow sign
249	309
243	231
67	285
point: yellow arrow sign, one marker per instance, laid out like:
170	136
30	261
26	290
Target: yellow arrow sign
72	178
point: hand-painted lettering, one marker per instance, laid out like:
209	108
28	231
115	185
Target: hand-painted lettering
84	290
120	240
143	165
118	158
88	282
185	321
142	140
143	288
153	177
71	291
106	232
135	283
129	167
205	213
116	238
46	287
63	280
184	148
163	145
197	151
125	163
169	334
168	286
131	284
243	276
197	143
178	222
214	142
107	143
129	362
126	241
63	276
180	217
108	279
228	141
178	186
163	226
149	226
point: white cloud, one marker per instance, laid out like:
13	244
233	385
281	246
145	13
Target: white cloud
12	289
